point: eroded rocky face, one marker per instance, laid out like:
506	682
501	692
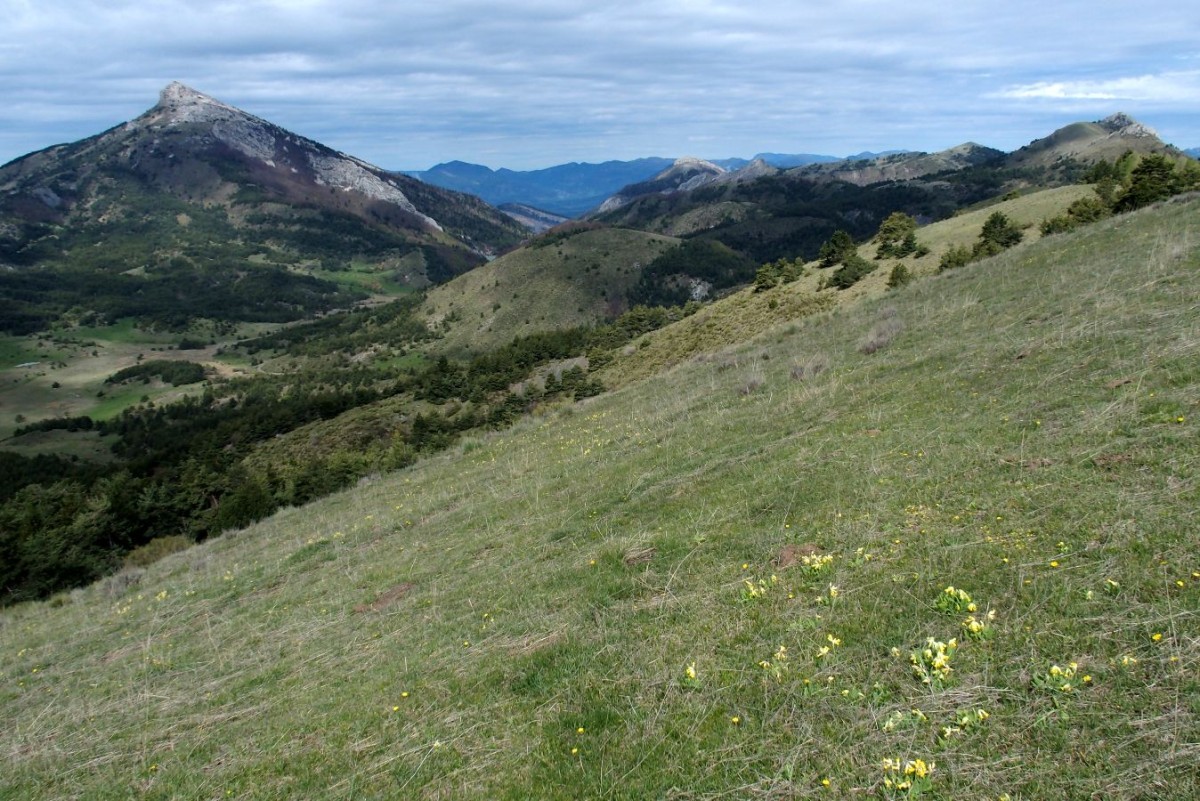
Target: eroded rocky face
258	139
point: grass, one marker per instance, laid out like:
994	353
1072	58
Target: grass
746	312
517	617
79	360
581	280
377	279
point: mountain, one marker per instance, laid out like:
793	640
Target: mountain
903	165
767	214
1194	152
196	197
572	189
782	214
1089	142
684	174
781	160
565	189
535	219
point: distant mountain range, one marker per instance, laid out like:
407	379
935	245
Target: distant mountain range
1194	152
769	213
569	190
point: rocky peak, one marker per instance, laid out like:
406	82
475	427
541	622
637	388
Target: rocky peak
693	164
1121	124
178	103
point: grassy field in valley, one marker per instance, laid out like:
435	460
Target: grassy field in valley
959	563
62	373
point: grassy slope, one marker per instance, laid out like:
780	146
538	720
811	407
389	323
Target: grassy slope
583	279
1029	436
747	312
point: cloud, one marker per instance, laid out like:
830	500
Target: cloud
533	82
1170	87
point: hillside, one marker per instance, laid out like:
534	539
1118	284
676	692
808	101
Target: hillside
904	166
767	214
247	220
1090	142
722	581
749	312
566	280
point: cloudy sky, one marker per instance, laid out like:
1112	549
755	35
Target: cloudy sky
531	83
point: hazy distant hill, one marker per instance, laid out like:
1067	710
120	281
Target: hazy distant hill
566	189
903	165
575	188
535	219
196	199
781	160
1194	152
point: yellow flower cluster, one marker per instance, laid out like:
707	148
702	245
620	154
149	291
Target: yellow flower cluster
931	664
908	779
815	562
964	722
824	650
691	679
955	601
901	720
1062	680
779	668
976	629
757	590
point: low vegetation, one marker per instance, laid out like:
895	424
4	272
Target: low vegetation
958	566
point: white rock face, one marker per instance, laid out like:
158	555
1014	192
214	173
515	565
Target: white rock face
347	173
259	139
1122	124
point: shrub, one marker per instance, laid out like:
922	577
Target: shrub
148	554
899	276
999	233
881	335
853	269
957	256
837	249
810	369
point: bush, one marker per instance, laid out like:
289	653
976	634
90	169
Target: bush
957	256
774	273
881	335
154	550
837	249
999	233
899	276
853	269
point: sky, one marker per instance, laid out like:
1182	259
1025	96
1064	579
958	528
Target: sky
526	84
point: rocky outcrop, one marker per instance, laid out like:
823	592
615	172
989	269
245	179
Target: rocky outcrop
685	174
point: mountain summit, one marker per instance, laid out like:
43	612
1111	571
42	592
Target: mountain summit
181	106
1090	142
686	173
